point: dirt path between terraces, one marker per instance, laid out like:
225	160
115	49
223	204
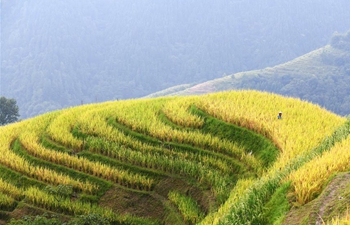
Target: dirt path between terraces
334	189
318	210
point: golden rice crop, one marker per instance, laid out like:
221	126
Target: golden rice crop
10	190
30	139
301	128
60	129
92	123
19	164
177	111
143	116
47	201
6	201
307	182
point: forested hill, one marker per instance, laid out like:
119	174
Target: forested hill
57	54
321	76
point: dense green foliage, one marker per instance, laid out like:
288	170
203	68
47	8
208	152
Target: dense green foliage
63	53
8	111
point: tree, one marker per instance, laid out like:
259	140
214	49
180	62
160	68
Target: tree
8	111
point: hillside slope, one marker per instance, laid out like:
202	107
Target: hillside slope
174	160
321	76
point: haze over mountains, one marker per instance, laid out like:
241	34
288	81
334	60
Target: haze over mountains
321	76
57	54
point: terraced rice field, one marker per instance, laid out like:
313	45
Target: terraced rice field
176	160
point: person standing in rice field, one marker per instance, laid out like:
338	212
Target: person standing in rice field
279	115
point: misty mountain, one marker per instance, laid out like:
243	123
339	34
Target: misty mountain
321	76
57	54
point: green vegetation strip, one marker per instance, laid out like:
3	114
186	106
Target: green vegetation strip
236	166
154	174
251	208
18	179
101	158
179	164
187	206
278	205
157	158
257	144
211	150
7	203
102	184
50	144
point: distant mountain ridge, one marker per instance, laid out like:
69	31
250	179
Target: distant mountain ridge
321	76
